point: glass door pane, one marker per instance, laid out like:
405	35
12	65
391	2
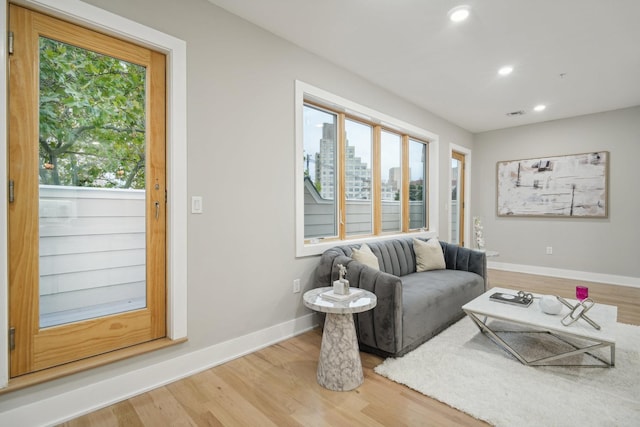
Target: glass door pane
91	184
457	198
456	181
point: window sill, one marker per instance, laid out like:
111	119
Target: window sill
86	364
311	249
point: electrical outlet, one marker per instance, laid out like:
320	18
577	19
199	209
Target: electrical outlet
549	250
296	286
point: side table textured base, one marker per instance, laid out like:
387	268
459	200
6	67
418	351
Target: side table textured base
339	367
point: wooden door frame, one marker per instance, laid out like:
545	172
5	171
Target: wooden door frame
4	233
37	347
467	191
93	17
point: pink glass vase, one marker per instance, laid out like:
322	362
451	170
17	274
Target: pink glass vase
582	293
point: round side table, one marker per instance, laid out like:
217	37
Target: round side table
339	367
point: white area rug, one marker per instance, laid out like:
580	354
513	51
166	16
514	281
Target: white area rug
466	370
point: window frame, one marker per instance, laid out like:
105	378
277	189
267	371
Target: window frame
305	93
379	205
344	175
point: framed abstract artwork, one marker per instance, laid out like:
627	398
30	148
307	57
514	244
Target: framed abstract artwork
568	186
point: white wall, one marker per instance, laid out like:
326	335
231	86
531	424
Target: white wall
603	246
241	261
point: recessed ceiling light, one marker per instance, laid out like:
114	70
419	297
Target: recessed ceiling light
539	108
506	70
459	13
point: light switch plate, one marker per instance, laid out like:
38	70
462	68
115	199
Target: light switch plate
196	204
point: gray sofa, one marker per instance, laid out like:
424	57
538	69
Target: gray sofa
412	307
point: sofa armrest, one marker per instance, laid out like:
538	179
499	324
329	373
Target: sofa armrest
459	258
380	328
386	316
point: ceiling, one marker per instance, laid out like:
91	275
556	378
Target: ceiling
575	56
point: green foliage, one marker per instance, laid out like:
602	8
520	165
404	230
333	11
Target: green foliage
92	118
416	190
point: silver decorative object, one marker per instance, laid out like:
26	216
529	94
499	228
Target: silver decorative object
578	311
526	296
341	286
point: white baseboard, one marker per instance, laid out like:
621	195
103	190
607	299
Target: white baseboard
611	279
66	406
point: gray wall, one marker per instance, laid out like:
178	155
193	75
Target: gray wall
241	260
606	246
241	133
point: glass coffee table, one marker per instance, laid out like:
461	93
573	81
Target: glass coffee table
339	366
580	336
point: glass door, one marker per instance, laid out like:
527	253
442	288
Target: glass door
87	149
457	198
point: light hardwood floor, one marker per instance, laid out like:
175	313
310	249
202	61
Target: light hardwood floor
277	385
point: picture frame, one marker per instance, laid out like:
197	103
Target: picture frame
568	186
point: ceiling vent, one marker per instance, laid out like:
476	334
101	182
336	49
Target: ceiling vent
516	113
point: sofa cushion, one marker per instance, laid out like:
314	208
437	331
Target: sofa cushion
365	256
433	300
429	255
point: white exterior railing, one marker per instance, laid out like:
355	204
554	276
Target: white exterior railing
92	252
319	215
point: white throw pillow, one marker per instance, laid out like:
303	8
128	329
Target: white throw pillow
429	255
365	256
